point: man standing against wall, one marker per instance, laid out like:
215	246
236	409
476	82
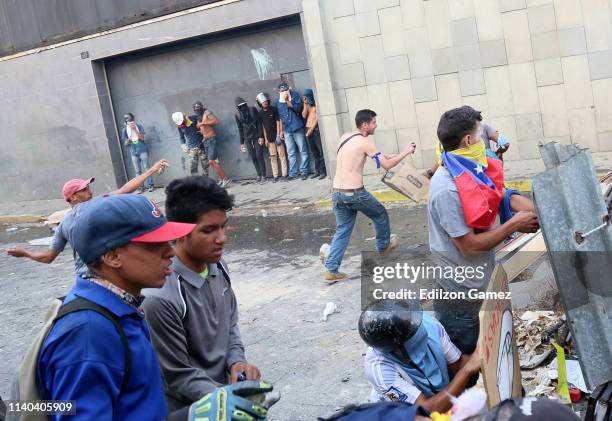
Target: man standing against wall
350	196
133	135
206	125
191	142
313	135
289	105
249	127
271	126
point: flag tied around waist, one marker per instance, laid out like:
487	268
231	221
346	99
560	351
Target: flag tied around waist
480	188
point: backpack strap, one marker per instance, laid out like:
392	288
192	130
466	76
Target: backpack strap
79	304
346	140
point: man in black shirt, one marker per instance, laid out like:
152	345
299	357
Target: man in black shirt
251	136
272	126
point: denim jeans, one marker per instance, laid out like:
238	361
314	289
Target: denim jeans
141	165
296	141
346	206
462	323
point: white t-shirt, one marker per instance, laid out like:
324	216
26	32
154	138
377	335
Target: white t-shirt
390	382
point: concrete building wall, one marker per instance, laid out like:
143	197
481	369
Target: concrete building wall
53	102
540	70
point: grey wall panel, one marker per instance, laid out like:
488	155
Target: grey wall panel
154	84
34	23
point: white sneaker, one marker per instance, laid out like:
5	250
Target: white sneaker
225	183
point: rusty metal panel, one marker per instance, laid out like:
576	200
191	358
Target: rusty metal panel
27	24
576	228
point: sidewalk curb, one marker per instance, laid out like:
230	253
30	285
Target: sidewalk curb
21	219
389	196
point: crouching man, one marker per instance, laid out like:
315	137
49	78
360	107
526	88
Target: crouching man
411	357
194	317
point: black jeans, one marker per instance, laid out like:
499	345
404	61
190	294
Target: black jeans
314	143
256	151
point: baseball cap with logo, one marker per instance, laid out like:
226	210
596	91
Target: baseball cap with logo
108	222
283	86
75	185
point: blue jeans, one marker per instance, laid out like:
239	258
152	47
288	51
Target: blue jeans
141	165
346	206
461	321
297	141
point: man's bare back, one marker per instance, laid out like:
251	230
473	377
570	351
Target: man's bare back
350	161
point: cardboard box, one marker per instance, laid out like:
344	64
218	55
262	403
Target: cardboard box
407	180
501	370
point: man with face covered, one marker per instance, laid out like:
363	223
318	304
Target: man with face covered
206	125
194	317
251	136
411	358
133	135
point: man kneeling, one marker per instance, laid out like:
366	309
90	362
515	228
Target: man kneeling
194	317
411	357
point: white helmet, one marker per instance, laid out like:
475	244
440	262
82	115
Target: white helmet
178	118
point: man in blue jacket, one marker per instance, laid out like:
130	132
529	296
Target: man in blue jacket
124	240
289	105
133	135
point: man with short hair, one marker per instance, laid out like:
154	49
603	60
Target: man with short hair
75	192
133	135
206	125
194	317
124	240
350	196
99	354
461	232
191	142
271	127
289	105
313	135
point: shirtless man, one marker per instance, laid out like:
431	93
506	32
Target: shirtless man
349	196
206	125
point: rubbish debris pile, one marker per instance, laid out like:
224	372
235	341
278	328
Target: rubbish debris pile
536	331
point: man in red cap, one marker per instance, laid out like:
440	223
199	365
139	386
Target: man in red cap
77	191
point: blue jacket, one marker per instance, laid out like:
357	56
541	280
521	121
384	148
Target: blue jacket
82	359
291	117
190	134
135	148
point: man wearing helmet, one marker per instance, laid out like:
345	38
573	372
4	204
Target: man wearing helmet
411	358
191	142
271	125
206	125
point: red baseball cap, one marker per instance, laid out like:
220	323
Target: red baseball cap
75	185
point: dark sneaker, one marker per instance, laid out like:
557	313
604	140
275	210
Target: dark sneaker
304	177
315	175
322	176
275	180
151	189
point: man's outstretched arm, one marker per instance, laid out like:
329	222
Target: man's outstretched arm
132	185
389	161
46	256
